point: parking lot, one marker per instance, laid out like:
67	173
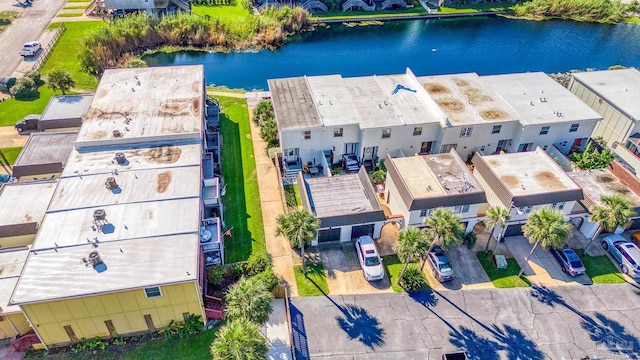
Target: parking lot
469	274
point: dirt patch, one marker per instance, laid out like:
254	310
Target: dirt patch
460	82
493	114
436	88
605	178
621	190
164	179
9	137
164	154
150	215
477	96
510	180
175	107
195	105
549	179
28	218
452	105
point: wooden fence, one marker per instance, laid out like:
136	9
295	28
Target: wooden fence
46	52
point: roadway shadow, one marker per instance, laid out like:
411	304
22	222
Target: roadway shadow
474	345
607	334
298	333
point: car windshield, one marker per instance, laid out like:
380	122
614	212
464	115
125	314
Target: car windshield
576	264
445	267
372	261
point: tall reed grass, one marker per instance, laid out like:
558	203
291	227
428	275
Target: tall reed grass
604	11
137	33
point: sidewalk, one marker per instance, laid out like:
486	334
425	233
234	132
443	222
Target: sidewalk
277	332
271	202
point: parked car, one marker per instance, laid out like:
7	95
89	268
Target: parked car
440	265
370	261
570	262
626	253
30	48
350	162
29	122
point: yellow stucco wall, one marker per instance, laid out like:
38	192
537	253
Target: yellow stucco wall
39	177
19	323
87	315
16	241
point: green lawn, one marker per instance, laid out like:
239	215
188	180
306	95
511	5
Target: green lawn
416	10
393	267
12	110
6	18
600	269
69	15
503	278
75	7
475	8
11	154
65	54
242	200
314	284
232	11
292	195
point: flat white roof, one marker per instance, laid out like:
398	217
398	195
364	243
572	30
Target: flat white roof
144	185
131	264
146	156
339	195
621	88
11	264
467	100
527	173
25	202
145	104
67	107
539	99
124	221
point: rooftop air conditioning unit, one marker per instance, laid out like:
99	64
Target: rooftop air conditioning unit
120	158
96	261
111	183
99	215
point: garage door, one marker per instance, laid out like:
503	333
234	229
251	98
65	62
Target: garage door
328	235
361	230
513	230
635	225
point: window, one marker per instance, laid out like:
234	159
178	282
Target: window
574	127
417	131
425	212
447	148
460	209
558	206
152	292
545	147
544	130
564	143
337	132
525	210
306	134
465	131
386	133
496	129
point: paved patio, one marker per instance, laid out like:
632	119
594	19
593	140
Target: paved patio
469	274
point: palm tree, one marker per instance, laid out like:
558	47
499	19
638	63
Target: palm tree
60	80
300	227
497	216
445	230
411	243
547	227
615	212
249	299
239	340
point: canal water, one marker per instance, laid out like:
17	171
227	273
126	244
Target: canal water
486	45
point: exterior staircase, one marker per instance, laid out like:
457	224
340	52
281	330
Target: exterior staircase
184	5
213	308
350	4
314	6
389	3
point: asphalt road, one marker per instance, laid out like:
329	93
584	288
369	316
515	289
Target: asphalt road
567	322
28	27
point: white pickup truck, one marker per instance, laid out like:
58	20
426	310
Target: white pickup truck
30	48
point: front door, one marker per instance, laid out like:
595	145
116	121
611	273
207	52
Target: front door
425	148
370	153
502	145
447	148
351	148
524	147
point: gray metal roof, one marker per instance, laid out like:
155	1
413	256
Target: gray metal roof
467	100
11	264
67	107
145	104
538	98
621	88
44	153
25	202
292	103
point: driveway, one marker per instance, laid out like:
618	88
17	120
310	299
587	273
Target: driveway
521	323
343	272
542	268
469	274
33	20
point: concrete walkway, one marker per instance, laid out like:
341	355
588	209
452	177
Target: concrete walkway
277	332
271	202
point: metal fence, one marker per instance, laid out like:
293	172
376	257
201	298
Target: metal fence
46	52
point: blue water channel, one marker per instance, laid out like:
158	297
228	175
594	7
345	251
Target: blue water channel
486	45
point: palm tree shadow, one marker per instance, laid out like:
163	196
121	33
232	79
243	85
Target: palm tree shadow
516	344
360	325
474	345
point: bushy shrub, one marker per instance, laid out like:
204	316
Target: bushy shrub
24	88
94	344
263	112
137	63
216	274
35	76
269	278
412	279
269	131
257	263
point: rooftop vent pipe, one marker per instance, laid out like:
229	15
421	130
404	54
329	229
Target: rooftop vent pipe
120	158
96	261
111	183
99	215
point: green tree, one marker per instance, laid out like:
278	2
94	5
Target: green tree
411	243
497	217
239	340
249	299
546	227
269	132
300	227
592	158
444	228
378	176
615	211
60	80
24	88
263	112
